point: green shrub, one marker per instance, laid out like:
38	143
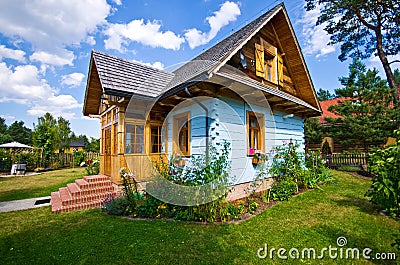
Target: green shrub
148	207
116	206
385	188
5	160
92	166
79	157
252	206
287	163
283	190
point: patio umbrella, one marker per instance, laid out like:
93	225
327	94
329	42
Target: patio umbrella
14	145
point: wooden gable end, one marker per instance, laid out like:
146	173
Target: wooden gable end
282	65
93	91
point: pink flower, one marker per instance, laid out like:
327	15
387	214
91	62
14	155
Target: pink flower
308	155
251	151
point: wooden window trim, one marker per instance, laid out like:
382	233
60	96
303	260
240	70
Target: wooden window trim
261	130
136	123
175	133
163	136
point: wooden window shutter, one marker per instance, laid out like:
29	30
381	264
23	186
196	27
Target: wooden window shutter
280	69
259	52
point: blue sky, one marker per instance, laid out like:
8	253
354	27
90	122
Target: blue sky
45	46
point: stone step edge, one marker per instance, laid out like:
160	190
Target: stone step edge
83	184
96	178
80	206
76	192
87	198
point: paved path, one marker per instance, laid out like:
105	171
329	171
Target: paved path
24	204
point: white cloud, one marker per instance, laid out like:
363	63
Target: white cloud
61	105
157	65
49	25
12	54
63	57
117	2
72	80
375	62
90	40
316	39
228	12
25	85
148	33
7	116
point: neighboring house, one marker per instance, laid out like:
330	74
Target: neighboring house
252	89
325	109
73	147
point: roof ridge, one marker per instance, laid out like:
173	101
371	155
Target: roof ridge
129	61
262	17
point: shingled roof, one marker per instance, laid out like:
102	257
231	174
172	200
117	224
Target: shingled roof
127	77
214	56
116	76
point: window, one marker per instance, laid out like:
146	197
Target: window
107	140
155	138
255	131
182	134
134	138
116	146
269	74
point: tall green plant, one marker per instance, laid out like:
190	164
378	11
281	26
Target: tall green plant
385	189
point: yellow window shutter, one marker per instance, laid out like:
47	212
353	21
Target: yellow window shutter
280	69
259	52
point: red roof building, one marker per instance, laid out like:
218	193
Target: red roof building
325	106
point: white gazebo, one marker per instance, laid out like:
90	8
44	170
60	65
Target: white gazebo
16	168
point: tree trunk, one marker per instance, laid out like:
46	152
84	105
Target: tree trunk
387	69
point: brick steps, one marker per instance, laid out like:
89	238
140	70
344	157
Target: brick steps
85	193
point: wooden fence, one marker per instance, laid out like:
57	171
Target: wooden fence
336	160
67	159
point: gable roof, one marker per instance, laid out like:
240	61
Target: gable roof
223	50
126	78
115	76
79	143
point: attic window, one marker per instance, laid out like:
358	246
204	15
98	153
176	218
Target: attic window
269	64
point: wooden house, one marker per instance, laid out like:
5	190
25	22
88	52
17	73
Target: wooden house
74	146
252	89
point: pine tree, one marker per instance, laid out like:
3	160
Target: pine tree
368	116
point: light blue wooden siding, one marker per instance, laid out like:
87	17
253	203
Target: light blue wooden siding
228	122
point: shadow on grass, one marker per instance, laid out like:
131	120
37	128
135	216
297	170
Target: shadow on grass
362	204
92	237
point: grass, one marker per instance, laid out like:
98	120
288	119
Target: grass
25	187
349	168
313	219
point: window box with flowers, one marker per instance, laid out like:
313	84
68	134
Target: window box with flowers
258	156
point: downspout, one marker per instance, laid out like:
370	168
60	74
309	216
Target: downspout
207	118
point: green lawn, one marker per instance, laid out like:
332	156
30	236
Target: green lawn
25	187
311	220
